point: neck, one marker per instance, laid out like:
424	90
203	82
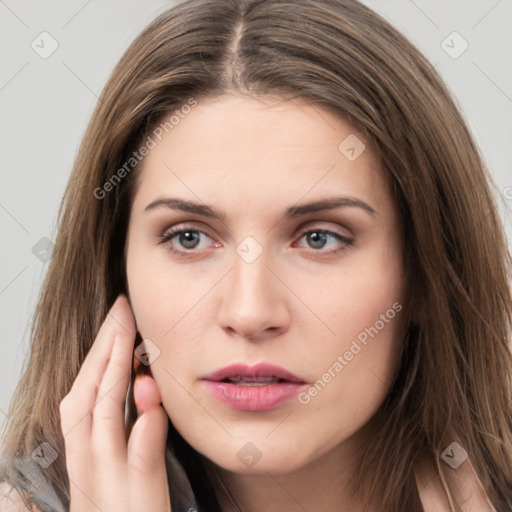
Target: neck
322	484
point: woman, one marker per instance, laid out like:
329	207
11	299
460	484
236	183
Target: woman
280	223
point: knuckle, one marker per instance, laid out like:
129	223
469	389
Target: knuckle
118	366
106	398
134	467
107	409
69	409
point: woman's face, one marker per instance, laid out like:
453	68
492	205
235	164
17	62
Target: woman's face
255	279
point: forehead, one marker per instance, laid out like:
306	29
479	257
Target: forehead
262	151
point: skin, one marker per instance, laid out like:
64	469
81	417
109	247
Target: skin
296	306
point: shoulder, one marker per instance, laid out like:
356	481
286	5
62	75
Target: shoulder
470	494
10	500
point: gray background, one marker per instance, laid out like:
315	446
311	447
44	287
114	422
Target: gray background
45	105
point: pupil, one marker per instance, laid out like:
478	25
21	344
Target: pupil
317	239
189	239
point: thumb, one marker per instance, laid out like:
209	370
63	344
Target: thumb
145	393
148	484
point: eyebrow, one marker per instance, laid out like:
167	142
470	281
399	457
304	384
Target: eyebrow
204	210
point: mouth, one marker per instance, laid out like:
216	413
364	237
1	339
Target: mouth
239	380
258	388
262	374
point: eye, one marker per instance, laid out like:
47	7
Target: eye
319	239
186	237
189	238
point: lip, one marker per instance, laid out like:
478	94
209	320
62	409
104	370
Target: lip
255	398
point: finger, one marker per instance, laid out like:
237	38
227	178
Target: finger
82	395
147	480
108	430
431	492
76	435
77	406
146	393
96	361
470	493
468	490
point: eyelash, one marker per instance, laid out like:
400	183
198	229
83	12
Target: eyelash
168	235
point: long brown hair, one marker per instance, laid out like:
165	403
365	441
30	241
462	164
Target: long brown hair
454	381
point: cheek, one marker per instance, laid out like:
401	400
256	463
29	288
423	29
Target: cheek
163	304
169	310
360	360
361	302
354	357
353	377
161	293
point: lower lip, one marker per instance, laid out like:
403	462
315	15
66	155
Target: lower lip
254	398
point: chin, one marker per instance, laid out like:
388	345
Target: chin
258	456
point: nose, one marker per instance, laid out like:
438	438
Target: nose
254	304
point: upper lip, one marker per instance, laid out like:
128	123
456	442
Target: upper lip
258	370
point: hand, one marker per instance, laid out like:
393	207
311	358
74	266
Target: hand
469	492
107	472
